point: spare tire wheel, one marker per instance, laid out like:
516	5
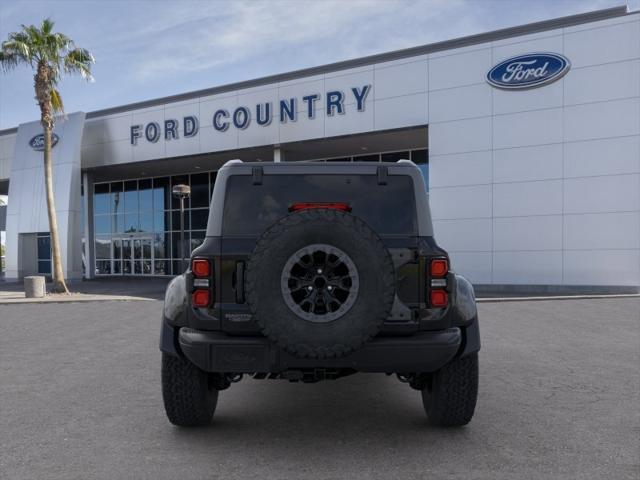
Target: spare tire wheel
320	283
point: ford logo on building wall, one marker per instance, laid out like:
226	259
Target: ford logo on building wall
528	71
37	142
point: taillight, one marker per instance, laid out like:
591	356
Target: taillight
202	294
439	267
439	298
200	298
437	283
296	207
201	267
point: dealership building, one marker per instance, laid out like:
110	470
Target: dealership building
528	139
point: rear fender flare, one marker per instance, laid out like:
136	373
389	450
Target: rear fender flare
175	302
464	309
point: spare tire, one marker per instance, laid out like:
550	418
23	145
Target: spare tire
320	283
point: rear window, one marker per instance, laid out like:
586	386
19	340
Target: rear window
388	209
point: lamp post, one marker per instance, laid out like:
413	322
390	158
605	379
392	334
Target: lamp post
182	192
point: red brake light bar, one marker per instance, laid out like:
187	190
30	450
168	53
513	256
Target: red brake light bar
296	207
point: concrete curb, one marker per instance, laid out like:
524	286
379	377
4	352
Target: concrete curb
73	298
554	297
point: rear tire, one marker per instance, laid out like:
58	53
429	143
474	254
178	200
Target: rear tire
189	395
450	394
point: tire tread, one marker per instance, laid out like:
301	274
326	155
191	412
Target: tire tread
189	400
454	392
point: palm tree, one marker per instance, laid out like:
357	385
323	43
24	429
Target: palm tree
50	55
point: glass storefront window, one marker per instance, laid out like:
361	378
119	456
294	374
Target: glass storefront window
132	232
117	198
162	267
161	245
103	247
102	224
161	194
117	223
420	156
142	267
82	212
176	251
199	218
44	246
161	221
131	224
117	248
44	252
200	190
131	196
175	220
101	198
146	221
44	266
145	195
367	158
103	267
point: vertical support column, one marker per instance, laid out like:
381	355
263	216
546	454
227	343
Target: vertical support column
87	211
277	154
27	211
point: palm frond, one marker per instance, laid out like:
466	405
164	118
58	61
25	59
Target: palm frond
8	60
19	45
20	38
52	53
56	101
47	26
62	42
79	60
32	36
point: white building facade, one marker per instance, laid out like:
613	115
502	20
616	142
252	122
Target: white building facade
529	139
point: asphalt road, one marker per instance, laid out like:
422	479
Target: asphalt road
559	399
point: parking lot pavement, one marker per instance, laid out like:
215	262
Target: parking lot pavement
97	289
559	395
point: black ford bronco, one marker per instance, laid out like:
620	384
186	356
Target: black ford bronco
315	271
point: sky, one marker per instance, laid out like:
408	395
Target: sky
147	49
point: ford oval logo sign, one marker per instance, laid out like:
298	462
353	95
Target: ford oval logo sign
528	71
37	142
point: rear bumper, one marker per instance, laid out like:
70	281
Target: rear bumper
218	352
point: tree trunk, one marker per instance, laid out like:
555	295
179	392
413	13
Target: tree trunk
43	94
59	284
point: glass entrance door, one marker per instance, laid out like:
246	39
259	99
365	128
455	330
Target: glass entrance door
133	256
142	253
